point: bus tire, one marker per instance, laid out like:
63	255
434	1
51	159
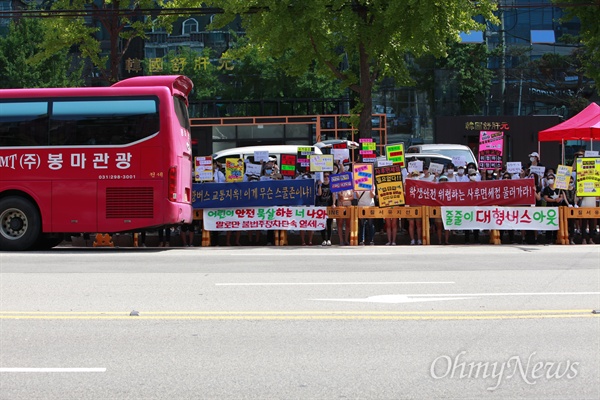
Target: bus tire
47	241
20	224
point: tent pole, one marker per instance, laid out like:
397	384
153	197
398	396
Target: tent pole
562	141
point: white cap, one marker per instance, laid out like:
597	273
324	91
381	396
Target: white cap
534	154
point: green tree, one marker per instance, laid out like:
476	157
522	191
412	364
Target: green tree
469	63
373	36
22	42
588	14
118	21
262	77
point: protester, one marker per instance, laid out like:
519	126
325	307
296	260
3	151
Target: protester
164	237
438	223
186	232
366	226
414	223
534	160
450	175
553	198
460	175
343	199
325	199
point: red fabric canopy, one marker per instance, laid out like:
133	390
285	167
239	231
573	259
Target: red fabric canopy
583	126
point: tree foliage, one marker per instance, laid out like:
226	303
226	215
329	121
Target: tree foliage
24	40
258	76
588	15
120	28
469	63
358	42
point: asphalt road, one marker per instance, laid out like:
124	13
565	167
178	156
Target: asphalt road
460	322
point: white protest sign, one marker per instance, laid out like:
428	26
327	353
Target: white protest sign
261	156
415	166
436	168
537	170
340	154
459	161
514	167
253	169
591	153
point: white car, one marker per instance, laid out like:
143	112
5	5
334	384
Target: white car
448	150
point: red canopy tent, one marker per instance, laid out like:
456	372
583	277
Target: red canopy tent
583	126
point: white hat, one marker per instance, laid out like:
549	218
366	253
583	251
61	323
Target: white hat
534	154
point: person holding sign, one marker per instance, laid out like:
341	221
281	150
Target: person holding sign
344	199
554	198
325	199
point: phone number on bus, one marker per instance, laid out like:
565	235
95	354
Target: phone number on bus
116	176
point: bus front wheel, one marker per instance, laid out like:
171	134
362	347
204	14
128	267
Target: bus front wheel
20	224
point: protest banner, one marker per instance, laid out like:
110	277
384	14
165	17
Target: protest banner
303	158
288	165
340	182
362	176
321	162
501	218
491	145
514	167
588	176
234	169
269	218
510	192
261	156
203	170
562	177
390	190
252	194
395	153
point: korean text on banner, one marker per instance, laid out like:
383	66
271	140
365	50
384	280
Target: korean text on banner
588	177
513	192
362	175
298	192
270	218
500	218
390	190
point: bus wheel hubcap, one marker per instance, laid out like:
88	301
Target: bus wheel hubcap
14	223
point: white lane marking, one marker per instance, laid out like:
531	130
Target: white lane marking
330	283
52	369
414	298
397	299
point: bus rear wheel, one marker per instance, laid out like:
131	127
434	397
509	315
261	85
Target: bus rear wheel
20	224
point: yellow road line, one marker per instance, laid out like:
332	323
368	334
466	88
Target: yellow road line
298	312
300	315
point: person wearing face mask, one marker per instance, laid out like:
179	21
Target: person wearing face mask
554	198
475	232
472	171
534	160
267	171
461	176
450	175
489	175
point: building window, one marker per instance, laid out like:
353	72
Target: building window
189	25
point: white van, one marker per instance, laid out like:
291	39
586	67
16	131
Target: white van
448	150
247	153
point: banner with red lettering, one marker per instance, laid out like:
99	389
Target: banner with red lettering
513	192
269	218
502	218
